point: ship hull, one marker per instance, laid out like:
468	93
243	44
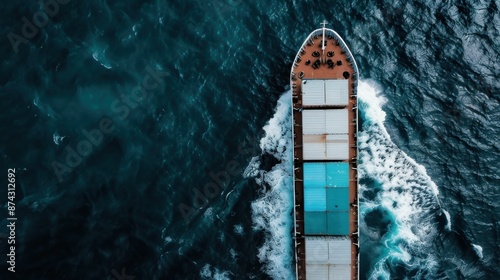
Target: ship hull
324	81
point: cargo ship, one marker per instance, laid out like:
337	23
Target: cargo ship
324	99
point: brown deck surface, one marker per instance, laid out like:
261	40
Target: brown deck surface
323	72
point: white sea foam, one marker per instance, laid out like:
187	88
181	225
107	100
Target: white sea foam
252	169
380	271
448	220
238	229
479	250
57	138
233	253
271	212
168	239
407	192
207	272
36	100
99	55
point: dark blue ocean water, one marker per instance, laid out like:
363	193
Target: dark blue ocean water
152	138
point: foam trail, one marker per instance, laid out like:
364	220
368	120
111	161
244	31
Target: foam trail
479	250
404	191
448	220
271	213
380	271
207	272
57	138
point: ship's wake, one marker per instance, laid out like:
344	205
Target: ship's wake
272	211
401	215
400	210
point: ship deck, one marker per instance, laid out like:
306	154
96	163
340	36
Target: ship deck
304	69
